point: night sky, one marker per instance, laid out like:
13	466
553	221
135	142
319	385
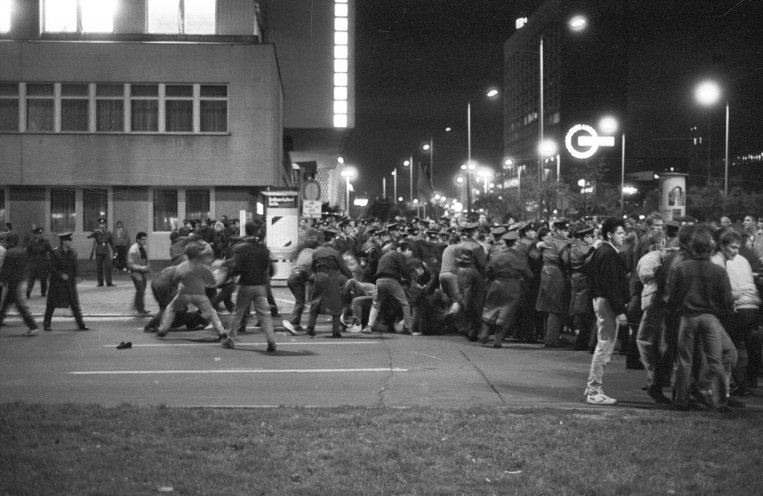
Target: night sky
418	63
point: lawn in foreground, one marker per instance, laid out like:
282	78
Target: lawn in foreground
76	449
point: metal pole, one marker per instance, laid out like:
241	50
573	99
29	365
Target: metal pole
394	183
384	187
726	164
540	140
410	193
431	162
622	178
347	193
468	156
559	198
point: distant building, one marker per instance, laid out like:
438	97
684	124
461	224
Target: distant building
152	111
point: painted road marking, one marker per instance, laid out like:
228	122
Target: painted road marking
234	371
298	343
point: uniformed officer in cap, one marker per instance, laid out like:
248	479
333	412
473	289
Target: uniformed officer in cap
63	283
581	305
38	248
103	247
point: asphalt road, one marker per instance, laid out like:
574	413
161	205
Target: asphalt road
189	369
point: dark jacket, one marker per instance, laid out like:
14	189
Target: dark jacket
699	287
251	261
609	278
393	264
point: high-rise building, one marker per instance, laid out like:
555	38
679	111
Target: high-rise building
151	111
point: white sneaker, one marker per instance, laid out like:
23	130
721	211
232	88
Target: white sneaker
599	398
454	308
354	329
366	330
399	326
289	327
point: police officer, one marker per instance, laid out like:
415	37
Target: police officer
63	285
103	247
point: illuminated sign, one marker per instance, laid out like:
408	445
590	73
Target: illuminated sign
588	141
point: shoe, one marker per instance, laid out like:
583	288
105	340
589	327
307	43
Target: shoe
228	343
111	284
311	332
32	332
599	398
416	333
150	329
289	327
144	313
46	328
399	327
336	335
354	329
454	308
657	395
124	345
345	319
497	344
271	348
99	285
735	403
161	332
84	328
366	330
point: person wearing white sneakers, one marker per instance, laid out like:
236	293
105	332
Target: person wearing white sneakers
610	292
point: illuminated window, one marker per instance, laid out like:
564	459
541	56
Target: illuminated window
109	108
197	204
5	16
40	104
75	107
182	16
9	107
144	107
62	210
78	16
341	62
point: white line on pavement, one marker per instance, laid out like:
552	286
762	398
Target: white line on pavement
233	371
299	343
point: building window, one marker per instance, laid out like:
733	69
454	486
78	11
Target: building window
144	107
9	107
95	205
75	107
78	16
109	108
6	12
62	212
182	16
40	100
341	62
165	209
213	109
197	204
178	108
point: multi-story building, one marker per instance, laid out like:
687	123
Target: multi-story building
151	111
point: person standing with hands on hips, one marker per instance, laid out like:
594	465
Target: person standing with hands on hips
139	267
610	293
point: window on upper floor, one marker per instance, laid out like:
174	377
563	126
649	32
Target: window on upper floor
178	108
182	16
213	108
144	107
75	107
9	107
109	108
78	16
5	15
40	107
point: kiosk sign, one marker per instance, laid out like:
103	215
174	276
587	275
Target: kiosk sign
587	143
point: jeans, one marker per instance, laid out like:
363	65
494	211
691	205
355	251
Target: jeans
139	280
712	378
387	287
297	283
259	295
606	332
649	341
200	301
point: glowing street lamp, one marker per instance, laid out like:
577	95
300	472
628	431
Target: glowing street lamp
409	163
708	93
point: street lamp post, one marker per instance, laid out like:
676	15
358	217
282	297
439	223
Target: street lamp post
349	173
708	93
409	163
394	184
430	148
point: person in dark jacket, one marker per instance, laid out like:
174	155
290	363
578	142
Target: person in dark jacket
610	293
392	273
327	289
581	307
63	283
38	248
250	261
14	274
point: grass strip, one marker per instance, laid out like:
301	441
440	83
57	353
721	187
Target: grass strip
94	450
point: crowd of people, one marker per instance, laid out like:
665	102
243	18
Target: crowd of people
676	297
